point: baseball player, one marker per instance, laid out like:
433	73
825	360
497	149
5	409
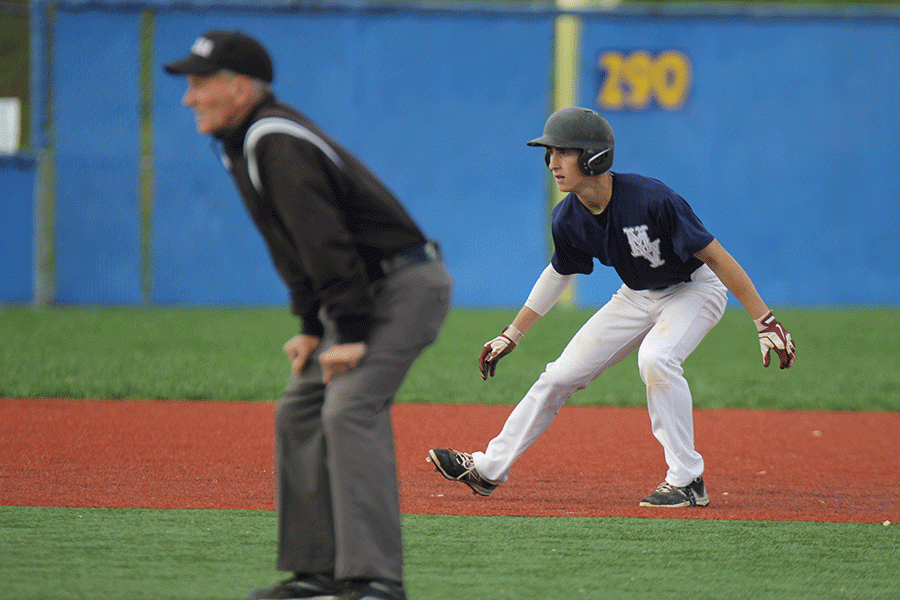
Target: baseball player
675	277
371	292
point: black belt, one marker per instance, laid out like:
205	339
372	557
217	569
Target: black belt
427	252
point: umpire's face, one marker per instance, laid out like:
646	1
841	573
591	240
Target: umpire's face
218	100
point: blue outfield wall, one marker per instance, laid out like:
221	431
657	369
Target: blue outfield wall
96	110
780	129
431	102
17	178
787	143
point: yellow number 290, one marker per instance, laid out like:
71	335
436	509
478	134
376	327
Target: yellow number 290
638	80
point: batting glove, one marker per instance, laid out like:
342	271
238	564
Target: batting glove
497	348
773	336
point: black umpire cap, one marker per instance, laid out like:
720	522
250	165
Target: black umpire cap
233	50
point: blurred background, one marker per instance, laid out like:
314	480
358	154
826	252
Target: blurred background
776	122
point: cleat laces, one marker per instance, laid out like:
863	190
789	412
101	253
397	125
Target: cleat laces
465	461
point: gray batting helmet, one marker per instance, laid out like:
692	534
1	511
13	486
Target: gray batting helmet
581	129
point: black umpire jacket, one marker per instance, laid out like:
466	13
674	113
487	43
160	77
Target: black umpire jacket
327	220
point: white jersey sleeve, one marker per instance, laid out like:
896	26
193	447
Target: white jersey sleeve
547	290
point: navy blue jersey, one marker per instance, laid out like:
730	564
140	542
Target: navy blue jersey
648	233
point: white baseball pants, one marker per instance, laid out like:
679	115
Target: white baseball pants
665	326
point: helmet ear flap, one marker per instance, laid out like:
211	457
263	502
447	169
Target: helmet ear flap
593	162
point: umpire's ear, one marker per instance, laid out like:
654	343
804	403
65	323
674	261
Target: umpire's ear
243	89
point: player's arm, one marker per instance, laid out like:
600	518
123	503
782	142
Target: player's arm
733	276
772	334
545	293
525	319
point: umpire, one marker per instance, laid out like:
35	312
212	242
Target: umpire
371	292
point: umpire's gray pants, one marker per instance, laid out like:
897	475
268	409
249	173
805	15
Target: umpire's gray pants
338	502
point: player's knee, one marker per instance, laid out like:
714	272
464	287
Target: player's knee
559	383
657	368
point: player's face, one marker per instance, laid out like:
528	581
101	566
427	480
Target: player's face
214	100
564	166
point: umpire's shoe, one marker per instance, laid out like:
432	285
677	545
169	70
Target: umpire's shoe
667	495
306	587
458	466
373	590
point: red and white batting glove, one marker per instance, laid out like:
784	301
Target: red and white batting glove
497	348
773	336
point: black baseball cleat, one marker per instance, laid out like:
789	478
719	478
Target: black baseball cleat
458	466
372	590
300	587
669	496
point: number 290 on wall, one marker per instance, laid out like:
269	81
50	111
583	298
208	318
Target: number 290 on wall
639	80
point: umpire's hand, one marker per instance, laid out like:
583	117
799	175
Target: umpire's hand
299	348
340	359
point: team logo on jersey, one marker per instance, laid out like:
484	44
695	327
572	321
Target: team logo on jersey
642	246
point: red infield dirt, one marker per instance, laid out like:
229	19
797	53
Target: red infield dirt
592	462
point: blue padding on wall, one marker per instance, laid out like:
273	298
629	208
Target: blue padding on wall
439	106
98	258
787	146
17	176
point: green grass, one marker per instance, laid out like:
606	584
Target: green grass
144	353
847	359
69	553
